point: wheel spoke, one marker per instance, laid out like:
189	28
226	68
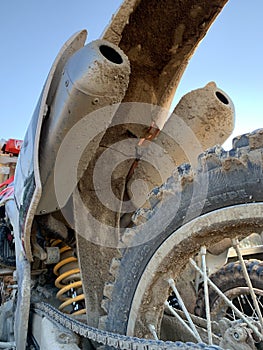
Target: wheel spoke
182	321
228	302
240	304
152	329
235	243
233	315
259	302
207	306
181	303
254	312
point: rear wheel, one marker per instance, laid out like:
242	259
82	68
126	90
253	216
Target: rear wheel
231	206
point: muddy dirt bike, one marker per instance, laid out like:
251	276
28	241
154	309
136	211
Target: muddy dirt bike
91	255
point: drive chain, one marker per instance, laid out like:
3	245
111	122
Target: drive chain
113	340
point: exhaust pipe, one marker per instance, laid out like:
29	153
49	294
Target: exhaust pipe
209	112
203	118
96	76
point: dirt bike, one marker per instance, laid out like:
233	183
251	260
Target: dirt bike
116	203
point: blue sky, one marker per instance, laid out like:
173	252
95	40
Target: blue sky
32	32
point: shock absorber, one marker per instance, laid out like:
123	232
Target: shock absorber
68	280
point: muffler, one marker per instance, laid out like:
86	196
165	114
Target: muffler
94	77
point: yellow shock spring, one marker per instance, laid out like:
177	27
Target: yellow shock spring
68	281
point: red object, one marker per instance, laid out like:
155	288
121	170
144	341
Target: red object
7	192
13	146
7	182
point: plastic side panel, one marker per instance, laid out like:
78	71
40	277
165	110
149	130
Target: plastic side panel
28	189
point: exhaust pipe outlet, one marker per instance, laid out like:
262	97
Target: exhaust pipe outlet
210	115
209	112
203	118
95	76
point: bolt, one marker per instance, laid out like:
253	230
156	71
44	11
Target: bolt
64	338
236	335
